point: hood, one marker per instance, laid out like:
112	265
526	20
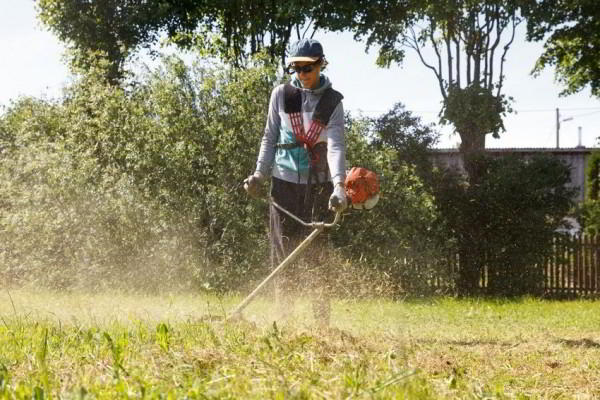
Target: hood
324	83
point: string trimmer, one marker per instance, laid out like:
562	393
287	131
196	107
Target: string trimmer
362	189
318	228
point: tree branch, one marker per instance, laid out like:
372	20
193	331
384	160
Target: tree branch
310	22
489	23
515	21
499	30
449	56
470	44
457	45
431	30
413	43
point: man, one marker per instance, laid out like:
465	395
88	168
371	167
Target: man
303	150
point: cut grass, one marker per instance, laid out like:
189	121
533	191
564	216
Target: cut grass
120	346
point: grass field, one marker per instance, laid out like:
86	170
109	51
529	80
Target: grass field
132	346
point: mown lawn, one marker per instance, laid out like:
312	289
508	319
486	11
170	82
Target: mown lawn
134	346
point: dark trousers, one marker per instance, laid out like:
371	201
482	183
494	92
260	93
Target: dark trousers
311	271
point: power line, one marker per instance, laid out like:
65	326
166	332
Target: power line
562	109
597	110
586	114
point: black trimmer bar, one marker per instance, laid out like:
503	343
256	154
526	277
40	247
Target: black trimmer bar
318	228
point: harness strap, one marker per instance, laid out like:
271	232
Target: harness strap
325	107
323	111
288	146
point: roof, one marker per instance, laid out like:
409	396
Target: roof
579	150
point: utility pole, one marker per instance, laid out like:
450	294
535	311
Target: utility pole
557	128
558	121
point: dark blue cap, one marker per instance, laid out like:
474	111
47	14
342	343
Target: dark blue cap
305	50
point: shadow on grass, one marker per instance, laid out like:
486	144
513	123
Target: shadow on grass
587	343
467	343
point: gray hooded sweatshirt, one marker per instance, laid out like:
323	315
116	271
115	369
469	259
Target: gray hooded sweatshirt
291	164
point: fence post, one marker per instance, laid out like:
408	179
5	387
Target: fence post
593	263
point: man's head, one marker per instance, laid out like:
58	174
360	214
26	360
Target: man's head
307	59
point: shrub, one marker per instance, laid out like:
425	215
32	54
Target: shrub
506	223
140	186
147	178
589	211
399	237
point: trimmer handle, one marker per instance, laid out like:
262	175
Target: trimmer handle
315	225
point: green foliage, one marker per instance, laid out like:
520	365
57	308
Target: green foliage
570	30
476	110
464	44
117	350
398	236
506	223
234	31
592	174
162	336
112	29
136	186
589	211
499	349
399	130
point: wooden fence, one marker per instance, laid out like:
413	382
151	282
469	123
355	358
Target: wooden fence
571	270
574	266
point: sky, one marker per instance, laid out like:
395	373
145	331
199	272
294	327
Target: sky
32	64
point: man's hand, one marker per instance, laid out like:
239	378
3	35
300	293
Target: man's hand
253	183
338	201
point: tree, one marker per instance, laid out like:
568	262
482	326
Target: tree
411	141
237	29
469	41
106	29
140	185
505	225
589	211
408	246
573	46
233	30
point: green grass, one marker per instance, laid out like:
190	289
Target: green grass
132	346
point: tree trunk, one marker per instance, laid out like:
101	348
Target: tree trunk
469	273
471	260
472	147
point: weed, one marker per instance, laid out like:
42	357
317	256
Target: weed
446	348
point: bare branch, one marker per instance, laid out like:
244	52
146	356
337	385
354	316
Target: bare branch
499	30
515	21
449	57
287	35
413	43
477	54
431	30
470	44
310	22
468	70
457	45
489	23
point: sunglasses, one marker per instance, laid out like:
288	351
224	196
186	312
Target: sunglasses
305	68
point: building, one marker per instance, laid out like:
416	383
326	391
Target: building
575	157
